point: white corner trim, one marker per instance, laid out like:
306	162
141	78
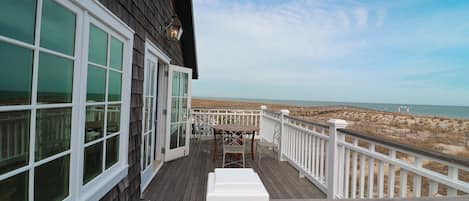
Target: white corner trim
157	51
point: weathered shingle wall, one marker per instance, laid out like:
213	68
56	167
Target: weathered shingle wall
145	17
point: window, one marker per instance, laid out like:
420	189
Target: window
64	100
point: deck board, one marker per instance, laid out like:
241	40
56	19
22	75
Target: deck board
186	178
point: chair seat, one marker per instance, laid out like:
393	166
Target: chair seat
233	149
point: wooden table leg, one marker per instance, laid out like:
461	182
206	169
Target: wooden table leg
252	145
215	147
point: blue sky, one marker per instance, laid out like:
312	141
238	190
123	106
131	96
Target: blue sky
353	51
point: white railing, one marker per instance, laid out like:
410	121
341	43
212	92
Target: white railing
202	118
347	164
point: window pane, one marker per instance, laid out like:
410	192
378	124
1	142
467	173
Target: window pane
113	119
114	86
53	131
55	79
51	180
94	126
57	28
15	79
173	136
97	52
112	151
182	135
14	140
96	84
116	54
93	163
15	188
175	84
24	13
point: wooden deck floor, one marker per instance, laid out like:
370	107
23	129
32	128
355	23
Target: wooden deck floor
185	179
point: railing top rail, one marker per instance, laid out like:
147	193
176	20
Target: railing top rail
308	122
233	109
273	112
428	153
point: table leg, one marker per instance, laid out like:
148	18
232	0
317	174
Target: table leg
215	147
252	145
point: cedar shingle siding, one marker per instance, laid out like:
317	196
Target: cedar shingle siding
145	17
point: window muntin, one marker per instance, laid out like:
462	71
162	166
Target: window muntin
103	107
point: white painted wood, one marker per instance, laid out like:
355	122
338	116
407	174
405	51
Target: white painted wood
354	171
417	179
371	172
453	175
403	183
362	175
380	179
391	174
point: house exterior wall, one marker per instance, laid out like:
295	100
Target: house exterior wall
145	17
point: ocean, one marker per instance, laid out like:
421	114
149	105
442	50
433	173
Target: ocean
460	112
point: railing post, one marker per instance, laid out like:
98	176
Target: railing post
261	120
332	160
282	134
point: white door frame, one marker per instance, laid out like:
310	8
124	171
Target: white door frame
147	174
171	154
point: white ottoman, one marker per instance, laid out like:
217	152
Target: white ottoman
235	184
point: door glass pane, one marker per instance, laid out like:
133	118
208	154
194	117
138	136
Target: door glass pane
94	126
112	151
173	136
15	188
24	13
147	75
114	86
184	81
14	140
148	152
51	180
150	110
55	79
96	84
144	152
175	84
113	119
15	79
93	162
152	87
182	134
97	52
53	131
174	109
116	54
57	28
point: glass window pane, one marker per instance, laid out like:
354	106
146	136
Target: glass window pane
97	52
55	79
93	162
14	140
53	131
182	135
174	136
112	151
174	109
96	84
175	84
15	188
15	79
94	126
24	14
51	180
152	83
115	80
116	54
57	28
113	119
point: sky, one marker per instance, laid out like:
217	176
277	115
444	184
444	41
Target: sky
400	51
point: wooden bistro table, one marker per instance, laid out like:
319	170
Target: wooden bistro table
233	128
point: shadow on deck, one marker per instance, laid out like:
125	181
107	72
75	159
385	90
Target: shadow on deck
185	179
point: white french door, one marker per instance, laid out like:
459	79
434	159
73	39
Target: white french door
149	114
178	127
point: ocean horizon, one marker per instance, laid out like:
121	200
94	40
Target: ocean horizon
459	112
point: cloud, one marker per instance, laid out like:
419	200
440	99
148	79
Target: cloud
361	15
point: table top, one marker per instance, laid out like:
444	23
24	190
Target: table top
235	127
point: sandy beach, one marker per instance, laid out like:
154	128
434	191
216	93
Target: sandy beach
447	135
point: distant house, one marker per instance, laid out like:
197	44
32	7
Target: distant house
94	96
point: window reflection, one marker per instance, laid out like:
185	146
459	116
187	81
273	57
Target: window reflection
14	140
113	118
53	131
94	126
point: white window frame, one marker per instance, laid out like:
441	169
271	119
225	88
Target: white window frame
86	11
99	186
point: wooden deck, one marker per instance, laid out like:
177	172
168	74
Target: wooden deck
186	179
